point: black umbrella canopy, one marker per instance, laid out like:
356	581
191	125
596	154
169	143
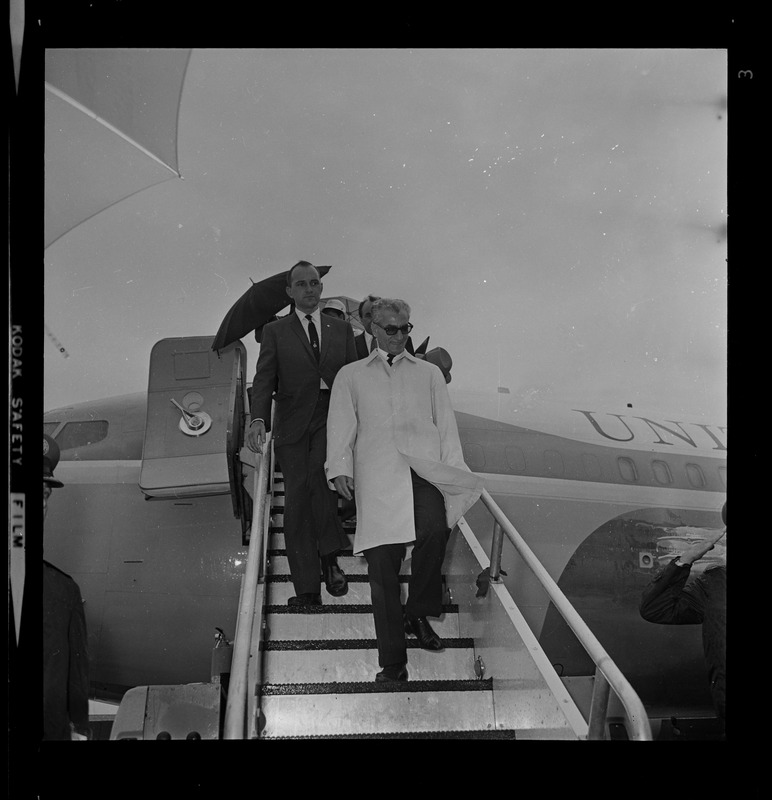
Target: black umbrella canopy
421	349
256	307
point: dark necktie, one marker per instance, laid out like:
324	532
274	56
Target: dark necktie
313	336
390	358
373	344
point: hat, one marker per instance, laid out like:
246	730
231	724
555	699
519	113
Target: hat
440	357
50	460
336	305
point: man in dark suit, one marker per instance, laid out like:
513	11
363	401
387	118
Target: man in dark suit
300	355
65	652
670	600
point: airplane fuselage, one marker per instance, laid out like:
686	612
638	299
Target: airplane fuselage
594	496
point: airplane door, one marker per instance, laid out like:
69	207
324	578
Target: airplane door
195	421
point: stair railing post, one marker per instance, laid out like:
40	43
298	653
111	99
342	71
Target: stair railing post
497	542
596	725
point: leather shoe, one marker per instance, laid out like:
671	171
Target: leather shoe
419	626
394	672
308	599
334	578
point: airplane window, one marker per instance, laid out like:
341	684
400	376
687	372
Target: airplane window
81	434
627	469
553	462
722	475
591	465
474	456
50	427
661	472
696	478
515	459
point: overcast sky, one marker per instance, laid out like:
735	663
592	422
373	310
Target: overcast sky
555	218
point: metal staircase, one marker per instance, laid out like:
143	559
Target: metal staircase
318	667
310	672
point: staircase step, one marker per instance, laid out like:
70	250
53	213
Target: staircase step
351	565
354	644
361	664
280	589
339	608
366	708
336	623
276	539
279	592
277	522
491	734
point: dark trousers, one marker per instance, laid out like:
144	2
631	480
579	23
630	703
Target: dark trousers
311	524
425	583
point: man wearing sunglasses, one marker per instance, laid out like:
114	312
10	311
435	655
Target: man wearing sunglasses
392	443
366	341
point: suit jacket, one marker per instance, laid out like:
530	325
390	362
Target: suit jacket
65	656
287	372
361	346
670	600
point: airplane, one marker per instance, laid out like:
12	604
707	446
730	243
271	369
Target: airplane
153	520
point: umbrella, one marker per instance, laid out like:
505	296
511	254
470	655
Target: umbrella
421	349
110	128
257	306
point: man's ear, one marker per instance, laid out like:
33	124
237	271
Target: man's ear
288	290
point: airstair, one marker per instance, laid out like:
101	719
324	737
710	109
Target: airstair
319	666
294	673
309	672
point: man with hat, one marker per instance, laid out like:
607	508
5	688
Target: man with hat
335	308
65	653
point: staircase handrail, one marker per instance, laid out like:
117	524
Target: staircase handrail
607	673
236	704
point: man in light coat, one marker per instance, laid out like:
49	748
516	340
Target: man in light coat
392	442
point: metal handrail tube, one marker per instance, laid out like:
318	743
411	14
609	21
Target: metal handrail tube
598	706
236	705
636	714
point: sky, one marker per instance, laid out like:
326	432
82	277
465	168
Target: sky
556	219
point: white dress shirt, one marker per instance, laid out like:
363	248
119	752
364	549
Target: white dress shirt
316	316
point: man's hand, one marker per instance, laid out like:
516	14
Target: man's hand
698	549
255	436
344	486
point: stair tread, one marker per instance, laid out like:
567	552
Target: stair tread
455	734
352	644
371	687
339	608
361	664
284	577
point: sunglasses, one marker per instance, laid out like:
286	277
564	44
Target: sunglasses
392	330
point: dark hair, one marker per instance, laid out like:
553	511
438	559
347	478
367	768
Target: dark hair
370	298
299	264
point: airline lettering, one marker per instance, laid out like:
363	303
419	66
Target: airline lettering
653	426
